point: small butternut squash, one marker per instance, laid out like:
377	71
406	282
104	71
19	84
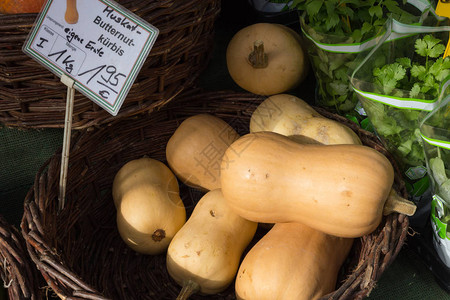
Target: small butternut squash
204	255
149	208
291	116
266	59
292	261
195	150
338	189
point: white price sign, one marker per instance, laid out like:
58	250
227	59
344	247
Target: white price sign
98	43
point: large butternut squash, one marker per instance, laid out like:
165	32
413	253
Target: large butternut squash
291	116
195	150
292	261
149	208
338	189
204	255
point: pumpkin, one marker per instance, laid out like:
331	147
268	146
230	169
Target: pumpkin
291	116
204	255
292	261
266	59
21	6
195	150
338	189
149	208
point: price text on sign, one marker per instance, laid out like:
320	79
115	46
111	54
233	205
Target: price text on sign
98	43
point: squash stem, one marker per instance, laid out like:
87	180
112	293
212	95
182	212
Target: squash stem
189	287
395	203
258	58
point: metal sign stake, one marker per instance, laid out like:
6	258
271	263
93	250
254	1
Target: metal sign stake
69	82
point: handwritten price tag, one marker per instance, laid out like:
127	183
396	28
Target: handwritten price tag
98	43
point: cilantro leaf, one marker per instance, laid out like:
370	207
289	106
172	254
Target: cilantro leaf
313	7
376	11
388	76
357	34
440	68
429	46
338	88
404	61
405	147
332	20
418	71
415	90
367	27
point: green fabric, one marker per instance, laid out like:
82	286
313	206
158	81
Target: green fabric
408	278
22	153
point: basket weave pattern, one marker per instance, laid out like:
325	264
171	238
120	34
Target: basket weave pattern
79	251
32	97
17	271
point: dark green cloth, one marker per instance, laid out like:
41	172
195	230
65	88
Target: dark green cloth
22	153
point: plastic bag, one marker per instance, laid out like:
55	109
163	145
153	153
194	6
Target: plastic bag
435	132
397	82
334	57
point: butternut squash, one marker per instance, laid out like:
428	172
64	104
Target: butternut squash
149	208
195	150
338	189
266	59
292	261
291	116
204	255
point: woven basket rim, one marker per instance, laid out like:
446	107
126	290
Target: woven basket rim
33	98
18	273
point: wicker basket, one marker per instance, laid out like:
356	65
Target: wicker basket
17	270
32	97
79	250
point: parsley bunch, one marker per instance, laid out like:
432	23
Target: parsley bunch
418	78
353	18
342	21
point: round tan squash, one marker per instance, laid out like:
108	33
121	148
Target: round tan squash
195	150
266	59
204	255
292	261
338	189
291	116
149	208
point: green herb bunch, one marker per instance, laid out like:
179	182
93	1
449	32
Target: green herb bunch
342	22
358	19
418	78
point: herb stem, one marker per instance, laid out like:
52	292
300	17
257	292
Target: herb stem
346	19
